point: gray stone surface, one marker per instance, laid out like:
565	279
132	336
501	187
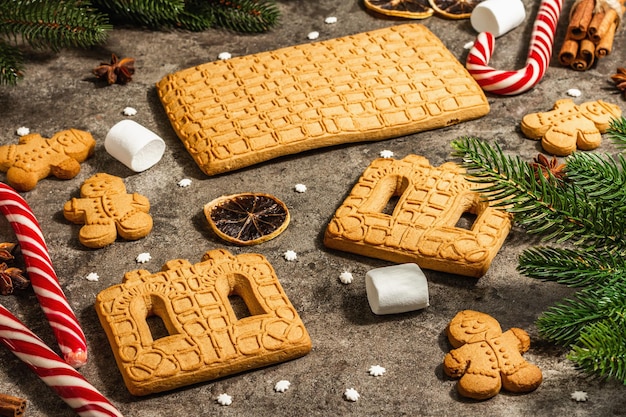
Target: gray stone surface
59	92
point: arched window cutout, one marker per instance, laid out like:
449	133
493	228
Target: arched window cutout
390	188
466	221
239	306
157	327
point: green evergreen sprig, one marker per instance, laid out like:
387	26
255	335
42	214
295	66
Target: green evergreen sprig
592	322
57	24
11	64
53	24
555	209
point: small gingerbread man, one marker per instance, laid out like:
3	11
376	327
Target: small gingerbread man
106	211
36	157
486	359
568	126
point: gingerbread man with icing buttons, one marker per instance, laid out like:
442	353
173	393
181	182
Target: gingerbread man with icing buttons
486	359
107	210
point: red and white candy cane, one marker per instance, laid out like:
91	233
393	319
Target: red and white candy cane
540	50
71	386
44	280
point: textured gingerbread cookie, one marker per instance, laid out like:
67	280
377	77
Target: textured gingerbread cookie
487	360
36	157
205	336
569	126
370	86
422	228
107	210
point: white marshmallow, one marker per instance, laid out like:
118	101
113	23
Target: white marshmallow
497	16
396	289
133	145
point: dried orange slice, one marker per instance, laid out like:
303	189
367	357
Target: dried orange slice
454	9
410	9
248	218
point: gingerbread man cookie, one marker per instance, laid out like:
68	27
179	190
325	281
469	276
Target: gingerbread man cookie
106	211
36	157
569	126
485	359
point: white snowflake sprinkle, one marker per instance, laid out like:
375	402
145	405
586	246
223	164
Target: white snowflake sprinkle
468	45
129	111
574	92
224	55
142	258
579	396
346	277
300	188
282	385
313	35
386	154
184	183
376	370
22	131
92	276
290	255
330	20
351	394
224	399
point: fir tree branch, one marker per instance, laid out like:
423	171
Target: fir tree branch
11	64
601	177
245	15
53	24
557	210
152	13
617	131
566	321
573	267
601	349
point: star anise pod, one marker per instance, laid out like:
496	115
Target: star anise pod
6	251
118	71
620	80
11	279
544	166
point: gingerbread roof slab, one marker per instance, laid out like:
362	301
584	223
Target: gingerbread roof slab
423	227
369	86
205	339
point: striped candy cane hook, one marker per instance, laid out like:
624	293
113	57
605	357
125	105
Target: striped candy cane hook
540	50
71	386
44	280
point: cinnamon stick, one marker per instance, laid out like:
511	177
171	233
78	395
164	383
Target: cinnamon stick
580	18
609	18
605	45
594	25
585	57
568	51
12	406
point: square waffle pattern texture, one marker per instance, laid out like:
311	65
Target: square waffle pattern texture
424	226
371	86
206	339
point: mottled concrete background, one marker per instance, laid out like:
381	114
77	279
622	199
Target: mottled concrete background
59	92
